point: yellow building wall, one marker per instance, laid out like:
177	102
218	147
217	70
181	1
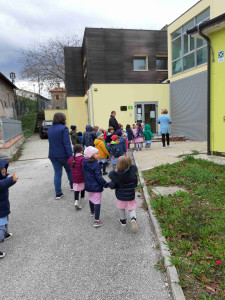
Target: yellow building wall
110	97
217	7
77	110
217	94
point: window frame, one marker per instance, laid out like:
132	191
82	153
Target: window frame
163	58
146	61
181	36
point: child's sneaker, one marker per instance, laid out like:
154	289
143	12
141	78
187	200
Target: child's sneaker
59	196
98	223
8	236
92	214
105	173
77	205
123	222
2	254
134	227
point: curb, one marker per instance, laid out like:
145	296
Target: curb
177	292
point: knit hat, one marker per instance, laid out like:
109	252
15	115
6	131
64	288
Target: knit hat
90	151
79	133
73	127
99	134
114	137
118	132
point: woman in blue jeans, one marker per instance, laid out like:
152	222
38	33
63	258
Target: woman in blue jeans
59	151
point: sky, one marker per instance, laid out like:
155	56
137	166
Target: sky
24	21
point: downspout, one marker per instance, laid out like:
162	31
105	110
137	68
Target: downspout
205	37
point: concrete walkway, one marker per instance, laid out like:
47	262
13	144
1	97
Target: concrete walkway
148	159
56	253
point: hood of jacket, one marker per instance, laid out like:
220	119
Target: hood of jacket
88	128
3	164
147	127
90	165
117	176
97	142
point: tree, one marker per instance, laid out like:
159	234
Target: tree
43	62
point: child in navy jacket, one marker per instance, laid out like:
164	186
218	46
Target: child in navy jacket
5	183
94	182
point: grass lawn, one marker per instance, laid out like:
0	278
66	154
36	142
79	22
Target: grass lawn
193	223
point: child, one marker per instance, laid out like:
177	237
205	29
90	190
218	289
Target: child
109	135
122	144
88	137
80	137
76	163
104	137
124	134
74	136
103	152
125	182
148	136
130	135
134	130
94	183
5	183
139	137
114	150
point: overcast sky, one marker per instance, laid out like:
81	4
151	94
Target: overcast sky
23	21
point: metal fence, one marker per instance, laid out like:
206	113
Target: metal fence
10	129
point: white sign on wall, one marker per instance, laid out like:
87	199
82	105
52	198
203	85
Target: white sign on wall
152	114
221	56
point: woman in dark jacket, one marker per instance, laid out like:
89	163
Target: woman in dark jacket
113	121
124	180
59	151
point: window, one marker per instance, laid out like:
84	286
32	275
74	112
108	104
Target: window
188	52
57	97
161	63
140	63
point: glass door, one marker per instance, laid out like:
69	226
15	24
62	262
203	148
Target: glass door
151	116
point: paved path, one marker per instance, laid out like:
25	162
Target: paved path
56	253
148	159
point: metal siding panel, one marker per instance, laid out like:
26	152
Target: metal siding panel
188	99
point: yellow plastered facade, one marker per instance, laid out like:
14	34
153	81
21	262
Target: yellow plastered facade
217	7
103	98
217	94
49	114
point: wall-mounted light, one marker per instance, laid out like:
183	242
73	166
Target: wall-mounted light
95	89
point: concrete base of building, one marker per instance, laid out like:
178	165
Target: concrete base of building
11	147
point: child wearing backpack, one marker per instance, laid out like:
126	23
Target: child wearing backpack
139	137
5	183
74	135
130	135
76	163
148	136
124	181
94	182
114	150
103	152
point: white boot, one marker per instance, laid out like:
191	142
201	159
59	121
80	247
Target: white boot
77	205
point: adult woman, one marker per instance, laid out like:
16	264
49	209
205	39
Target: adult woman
59	151
113	121
164	120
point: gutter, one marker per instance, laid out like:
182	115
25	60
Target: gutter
205	37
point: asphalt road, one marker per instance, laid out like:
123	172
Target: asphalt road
56	253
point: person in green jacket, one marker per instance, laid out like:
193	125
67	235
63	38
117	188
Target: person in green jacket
148	136
74	135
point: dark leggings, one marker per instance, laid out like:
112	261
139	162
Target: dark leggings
167	139
76	194
103	166
96	209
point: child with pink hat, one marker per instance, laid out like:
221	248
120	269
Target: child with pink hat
94	182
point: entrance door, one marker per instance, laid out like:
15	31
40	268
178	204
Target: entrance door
147	113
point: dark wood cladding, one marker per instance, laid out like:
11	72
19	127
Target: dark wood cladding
109	55
74	71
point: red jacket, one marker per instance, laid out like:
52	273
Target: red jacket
77	174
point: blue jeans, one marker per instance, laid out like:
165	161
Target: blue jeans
58	164
3	231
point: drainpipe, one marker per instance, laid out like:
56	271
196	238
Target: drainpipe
205	37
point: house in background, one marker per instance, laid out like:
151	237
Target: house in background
214	29
187	70
117	69
7	98
58	97
42	102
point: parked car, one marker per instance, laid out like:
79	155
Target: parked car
44	128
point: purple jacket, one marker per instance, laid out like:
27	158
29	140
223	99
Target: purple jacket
77	174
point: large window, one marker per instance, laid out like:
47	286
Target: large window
188	52
140	63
